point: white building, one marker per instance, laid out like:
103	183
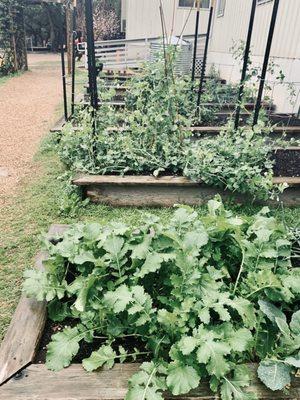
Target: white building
231	20
141	19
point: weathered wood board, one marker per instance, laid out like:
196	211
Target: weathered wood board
58	125
166	191
21	340
73	383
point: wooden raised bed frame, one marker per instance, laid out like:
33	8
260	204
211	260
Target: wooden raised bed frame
166	191
20	379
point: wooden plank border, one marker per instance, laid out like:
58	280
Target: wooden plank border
166	191
59	124
73	382
21	341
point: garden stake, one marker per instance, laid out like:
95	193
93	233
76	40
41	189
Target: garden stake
164	39
63	71
211	11
196	40
266	61
73	60
91	54
245	65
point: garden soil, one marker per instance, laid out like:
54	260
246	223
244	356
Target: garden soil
28	105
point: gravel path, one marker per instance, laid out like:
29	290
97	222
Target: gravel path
27	110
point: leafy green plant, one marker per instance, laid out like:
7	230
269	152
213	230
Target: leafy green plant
237	160
199	296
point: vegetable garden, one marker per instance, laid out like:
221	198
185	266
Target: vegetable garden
204	306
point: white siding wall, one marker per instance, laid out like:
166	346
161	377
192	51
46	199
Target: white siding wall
285	51
143	18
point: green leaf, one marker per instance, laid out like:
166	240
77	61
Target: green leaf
182	378
293	361
104	356
195	239
274	374
187	344
62	348
82	295
58	311
113	245
83	257
211	353
119	299
232	388
283	326
270	310
152	264
295	323
141	250
148	383
42	286
240	340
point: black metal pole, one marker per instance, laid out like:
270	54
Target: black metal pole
266	61
196	40
203	69
73	61
63	70
91	53
245	64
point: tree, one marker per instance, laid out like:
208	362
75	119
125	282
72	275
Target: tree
107	15
13	55
43	23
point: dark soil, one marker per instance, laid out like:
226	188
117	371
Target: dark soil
287	163
85	349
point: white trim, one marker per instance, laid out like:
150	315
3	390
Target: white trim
221	14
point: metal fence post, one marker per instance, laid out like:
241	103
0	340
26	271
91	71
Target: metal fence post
266	61
196	40
91	53
63	69
73	61
245	64
203	69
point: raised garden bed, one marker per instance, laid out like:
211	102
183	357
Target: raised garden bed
166	191
22	379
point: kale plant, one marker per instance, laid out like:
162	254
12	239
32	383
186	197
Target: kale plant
200	296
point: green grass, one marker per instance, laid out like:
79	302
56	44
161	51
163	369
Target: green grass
4	79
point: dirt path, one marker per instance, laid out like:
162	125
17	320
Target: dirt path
27	109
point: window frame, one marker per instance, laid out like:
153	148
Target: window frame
260	2
194	6
222	13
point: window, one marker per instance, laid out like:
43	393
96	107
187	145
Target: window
193	3
123	25
221	8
